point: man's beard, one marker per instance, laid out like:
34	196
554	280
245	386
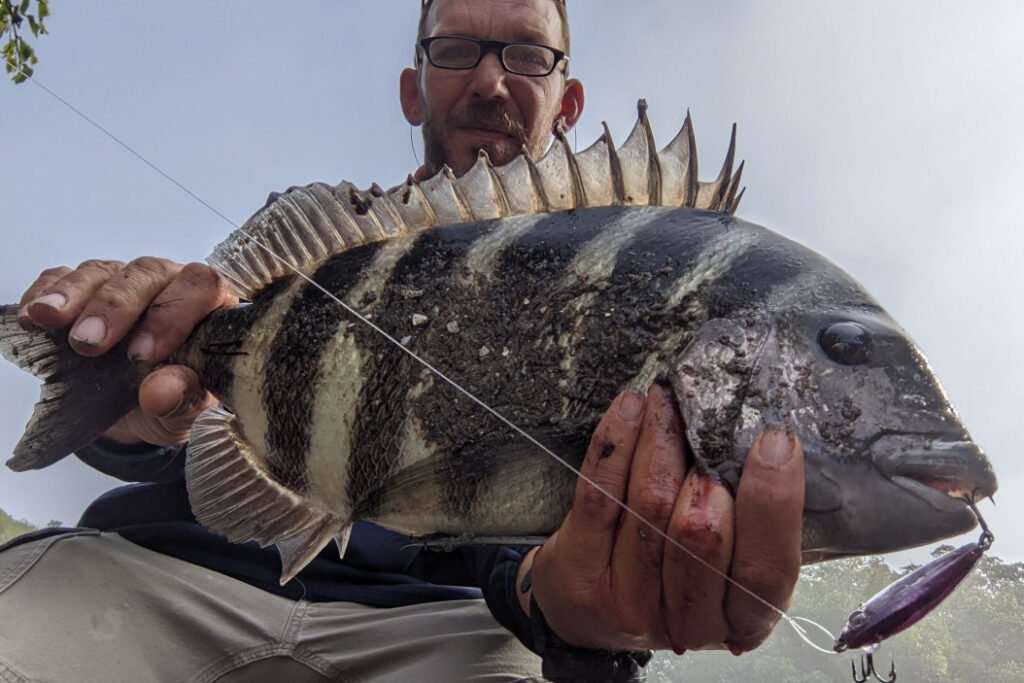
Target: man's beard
484	114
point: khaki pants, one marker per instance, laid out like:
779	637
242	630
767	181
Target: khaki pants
89	607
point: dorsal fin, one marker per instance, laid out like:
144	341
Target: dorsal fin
306	225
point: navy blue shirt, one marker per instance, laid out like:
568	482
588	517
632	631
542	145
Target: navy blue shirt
380	568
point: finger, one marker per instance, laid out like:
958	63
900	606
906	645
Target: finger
702	522
171	393
36	290
191	296
589	529
118	304
655	480
58	305
769	516
170	399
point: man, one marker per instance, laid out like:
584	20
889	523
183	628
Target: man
155	597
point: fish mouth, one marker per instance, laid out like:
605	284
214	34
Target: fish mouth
943	472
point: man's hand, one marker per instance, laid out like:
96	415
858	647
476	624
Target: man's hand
157	302
605	580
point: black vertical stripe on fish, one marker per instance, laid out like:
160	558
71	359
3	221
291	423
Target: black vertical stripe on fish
751	276
670	248
220	341
632	317
624	318
293	367
420	277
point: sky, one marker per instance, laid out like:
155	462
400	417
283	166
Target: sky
883	135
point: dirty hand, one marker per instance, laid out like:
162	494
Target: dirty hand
157	302
604	580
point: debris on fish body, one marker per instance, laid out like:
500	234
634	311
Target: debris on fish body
911	598
544	288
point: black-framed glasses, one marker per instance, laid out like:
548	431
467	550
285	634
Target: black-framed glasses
458	52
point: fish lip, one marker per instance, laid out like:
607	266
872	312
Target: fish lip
955	468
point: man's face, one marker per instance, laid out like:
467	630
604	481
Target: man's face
488	108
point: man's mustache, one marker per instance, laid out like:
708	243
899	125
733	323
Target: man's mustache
493	116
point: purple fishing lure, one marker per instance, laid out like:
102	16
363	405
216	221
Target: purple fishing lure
907	601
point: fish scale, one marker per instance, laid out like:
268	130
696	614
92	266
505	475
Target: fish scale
544	288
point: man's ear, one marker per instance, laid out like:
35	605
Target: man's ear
409	94
572	104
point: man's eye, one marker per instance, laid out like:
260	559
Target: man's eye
847	343
453	52
529	57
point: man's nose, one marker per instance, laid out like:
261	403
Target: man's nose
489	78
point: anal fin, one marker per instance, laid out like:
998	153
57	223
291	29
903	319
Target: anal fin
232	493
300	550
341	539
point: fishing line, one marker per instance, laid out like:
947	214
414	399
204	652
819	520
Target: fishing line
792	621
412	146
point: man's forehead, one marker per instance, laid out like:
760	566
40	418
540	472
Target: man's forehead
508	20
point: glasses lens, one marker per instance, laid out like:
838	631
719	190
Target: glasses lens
529	60
454	53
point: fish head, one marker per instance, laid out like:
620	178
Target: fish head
887	460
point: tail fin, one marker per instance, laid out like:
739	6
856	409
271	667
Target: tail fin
80	398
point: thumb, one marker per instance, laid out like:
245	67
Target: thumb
170	399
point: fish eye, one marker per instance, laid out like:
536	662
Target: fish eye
847	343
857	619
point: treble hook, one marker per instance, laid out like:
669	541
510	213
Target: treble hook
869	670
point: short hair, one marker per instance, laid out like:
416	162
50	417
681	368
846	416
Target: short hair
563	14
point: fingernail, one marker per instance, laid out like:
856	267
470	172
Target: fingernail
176	384
702	485
141	348
90	331
776	447
55	301
631	406
24	320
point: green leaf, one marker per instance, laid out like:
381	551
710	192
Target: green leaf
44	9
19	78
33	24
24	6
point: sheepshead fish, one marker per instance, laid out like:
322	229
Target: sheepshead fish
543	287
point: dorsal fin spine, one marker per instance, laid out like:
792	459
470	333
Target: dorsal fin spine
618	185
653	164
723	181
537	182
499	189
416	194
578	192
463	205
731	198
